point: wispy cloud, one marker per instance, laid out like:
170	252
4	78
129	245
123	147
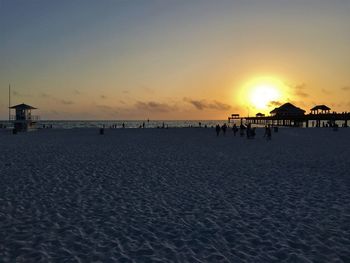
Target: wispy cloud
56	100
16	93
104	107
44	95
325	91
346	88
54	112
298	103
204	104
103	97
155	106
275	103
66	102
148	90
112	111
299	90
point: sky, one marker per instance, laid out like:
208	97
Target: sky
172	59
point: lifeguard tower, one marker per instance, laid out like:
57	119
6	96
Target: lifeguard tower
24	120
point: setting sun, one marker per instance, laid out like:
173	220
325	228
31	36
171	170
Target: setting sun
263	93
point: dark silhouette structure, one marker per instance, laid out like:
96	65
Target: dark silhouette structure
217	129
320	109
233	117
23	120
224	128
268	133
290	115
260	114
234	129
287	109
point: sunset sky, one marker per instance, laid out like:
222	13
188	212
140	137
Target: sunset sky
172	59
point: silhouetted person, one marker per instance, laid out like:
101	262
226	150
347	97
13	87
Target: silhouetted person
123	125
335	127
200	124
241	130
267	132
252	133
234	129
224	128
143	125
248	131
218	129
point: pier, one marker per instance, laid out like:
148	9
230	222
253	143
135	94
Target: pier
289	115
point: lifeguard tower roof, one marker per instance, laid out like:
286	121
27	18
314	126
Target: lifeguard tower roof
23	107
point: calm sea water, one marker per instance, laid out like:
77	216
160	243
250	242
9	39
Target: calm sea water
128	123
133	123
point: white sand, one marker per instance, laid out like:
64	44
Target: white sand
177	195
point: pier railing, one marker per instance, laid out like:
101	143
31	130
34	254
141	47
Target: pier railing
297	120
25	118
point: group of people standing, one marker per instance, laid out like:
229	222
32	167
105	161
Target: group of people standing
248	130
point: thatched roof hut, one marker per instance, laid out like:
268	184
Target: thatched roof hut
287	109
320	109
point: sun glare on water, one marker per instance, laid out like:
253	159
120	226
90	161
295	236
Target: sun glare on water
262	94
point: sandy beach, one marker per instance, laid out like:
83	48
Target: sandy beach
174	195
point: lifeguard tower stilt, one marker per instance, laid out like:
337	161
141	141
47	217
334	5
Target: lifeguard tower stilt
24	120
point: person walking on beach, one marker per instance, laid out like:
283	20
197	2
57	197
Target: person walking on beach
224	128
234	129
217	128
249	131
252	133
241	130
267	132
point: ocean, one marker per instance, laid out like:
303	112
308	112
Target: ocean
71	124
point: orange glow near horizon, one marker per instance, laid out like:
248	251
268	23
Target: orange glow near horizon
263	93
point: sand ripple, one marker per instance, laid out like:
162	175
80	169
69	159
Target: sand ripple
178	195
